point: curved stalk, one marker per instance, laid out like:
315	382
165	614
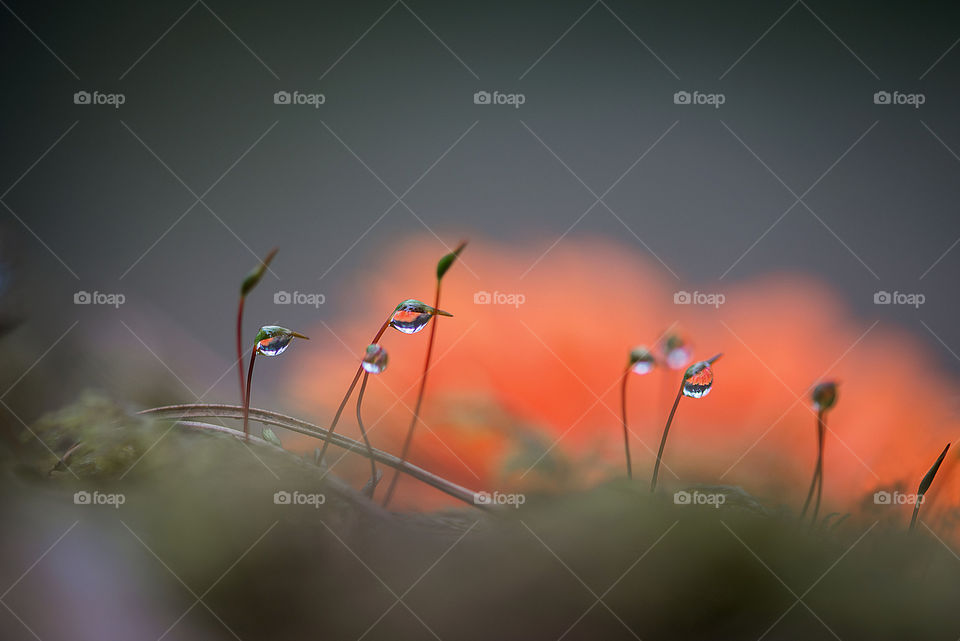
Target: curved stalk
821	436
623	414
353	384
416	408
204	410
663	441
240	344
246	397
816	468
363	432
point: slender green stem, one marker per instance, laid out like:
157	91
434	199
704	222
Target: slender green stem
416	408
623	413
240	344
353	384
246	397
363	432
663	441
816	468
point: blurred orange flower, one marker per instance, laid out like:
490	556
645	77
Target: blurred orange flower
523	389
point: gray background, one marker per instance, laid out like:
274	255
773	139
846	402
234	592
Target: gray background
101	206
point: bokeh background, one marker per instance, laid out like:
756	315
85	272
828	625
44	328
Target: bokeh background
596	200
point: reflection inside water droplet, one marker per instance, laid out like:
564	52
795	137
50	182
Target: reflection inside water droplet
409	321
698	380
274	345
375	359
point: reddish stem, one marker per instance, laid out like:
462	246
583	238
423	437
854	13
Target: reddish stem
246	397
623	410
240	344
663	441
416	408
353	384
363	432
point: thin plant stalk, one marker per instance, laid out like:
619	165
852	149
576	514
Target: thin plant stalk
246	396
240	305
353	384
673	410
623	413
663	441
925	485
201	410
821	436
416	408
251	281
442	266
363	432
818	468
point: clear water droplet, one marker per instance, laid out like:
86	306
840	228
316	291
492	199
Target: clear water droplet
642	360
698	380
375	359
411	316
272	340
274	345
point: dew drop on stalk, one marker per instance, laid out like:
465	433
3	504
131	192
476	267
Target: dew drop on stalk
676	352
642	360
375	359
412	315
273	340
698	380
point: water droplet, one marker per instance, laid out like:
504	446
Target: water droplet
676	352
274	346
824	395
412	315
375	359
273	340
642	361
698	380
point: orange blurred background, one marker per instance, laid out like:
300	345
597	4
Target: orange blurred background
527	396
